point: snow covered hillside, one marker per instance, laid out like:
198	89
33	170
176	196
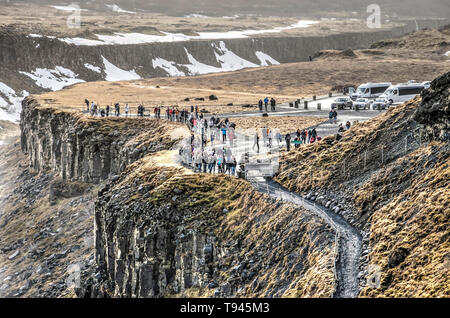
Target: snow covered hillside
59	77
32	62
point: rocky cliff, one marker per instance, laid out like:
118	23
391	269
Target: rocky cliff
161	232
433	112
77	147
46	224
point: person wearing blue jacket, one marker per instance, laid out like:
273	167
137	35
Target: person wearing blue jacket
224	134
219	164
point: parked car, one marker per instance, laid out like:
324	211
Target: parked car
362	103
381	103
342	103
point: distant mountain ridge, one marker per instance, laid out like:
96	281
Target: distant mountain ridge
431	8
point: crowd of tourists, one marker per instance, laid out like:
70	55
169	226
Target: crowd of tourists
173	113
93	109
213	140
210	147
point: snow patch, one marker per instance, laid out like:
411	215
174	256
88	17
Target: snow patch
196	68
10	103
168	66
300	24
42	36
196	15
229	60
139	38
9	116
447	53
266	59
55	79
91	67
6	90
67	8
116	8
113	73
247	33
232	17
81	41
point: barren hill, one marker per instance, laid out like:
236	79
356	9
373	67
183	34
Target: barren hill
265	7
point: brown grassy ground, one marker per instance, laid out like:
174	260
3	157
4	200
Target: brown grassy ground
410	234
137	92
285	83
405	200
291	81
283	124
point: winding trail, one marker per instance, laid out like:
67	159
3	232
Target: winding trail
348	239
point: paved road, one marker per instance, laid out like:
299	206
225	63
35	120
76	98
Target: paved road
323	130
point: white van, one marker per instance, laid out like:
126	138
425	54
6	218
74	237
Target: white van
370	90
402	92
426	84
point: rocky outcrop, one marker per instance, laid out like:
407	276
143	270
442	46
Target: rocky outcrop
168	234
433	112
76	147
389	178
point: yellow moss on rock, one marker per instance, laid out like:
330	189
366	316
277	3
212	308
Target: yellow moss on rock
289	250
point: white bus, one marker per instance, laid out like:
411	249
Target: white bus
370	90
402	92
